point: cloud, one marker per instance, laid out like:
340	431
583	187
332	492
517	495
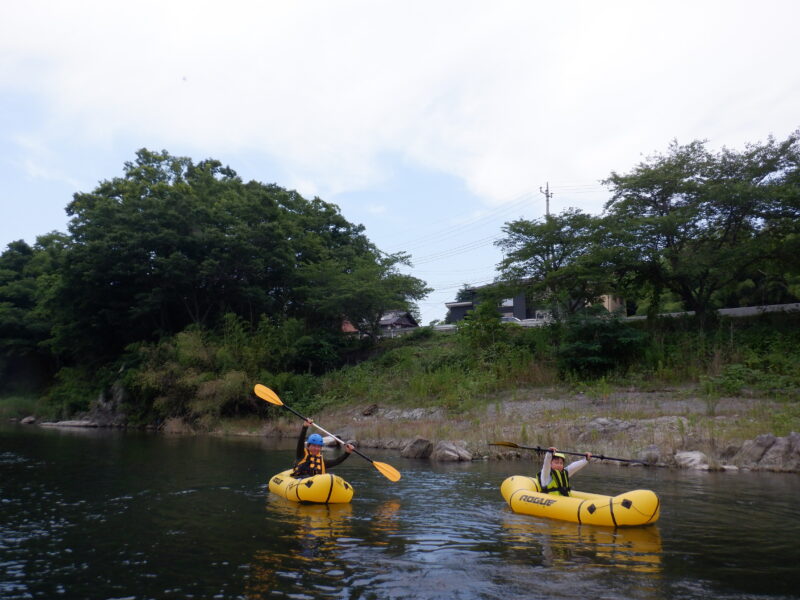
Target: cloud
502	96
376	209
36	161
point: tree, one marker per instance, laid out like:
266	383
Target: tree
17	300
359	289
27	277
695	223
551	260
172	243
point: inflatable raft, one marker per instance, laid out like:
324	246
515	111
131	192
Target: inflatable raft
631	509
319	489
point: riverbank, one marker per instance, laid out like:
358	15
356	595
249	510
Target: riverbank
674	427
677	427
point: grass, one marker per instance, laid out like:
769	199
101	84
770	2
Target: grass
250	425
18	406
721	387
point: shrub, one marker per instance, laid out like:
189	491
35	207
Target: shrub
596	343
18	406
481	328
73	391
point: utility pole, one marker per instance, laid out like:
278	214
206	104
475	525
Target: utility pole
547	195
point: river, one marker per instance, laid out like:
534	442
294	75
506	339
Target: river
91	514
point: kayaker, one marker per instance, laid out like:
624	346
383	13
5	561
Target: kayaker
554	477
309	454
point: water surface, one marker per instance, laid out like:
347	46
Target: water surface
107	514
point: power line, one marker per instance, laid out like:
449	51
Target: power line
474	245
453	230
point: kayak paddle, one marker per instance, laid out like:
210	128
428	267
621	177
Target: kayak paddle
267	394
538	449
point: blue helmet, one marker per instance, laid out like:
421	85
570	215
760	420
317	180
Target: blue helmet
314	438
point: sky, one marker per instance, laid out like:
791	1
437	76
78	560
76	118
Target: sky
430	123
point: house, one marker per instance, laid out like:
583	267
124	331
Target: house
348	327
518	307
397	319
510	307
391	323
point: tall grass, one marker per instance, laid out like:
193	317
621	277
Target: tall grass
205	376
760	355
18	406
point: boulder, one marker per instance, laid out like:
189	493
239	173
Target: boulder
395	444
729	452
752	451
450	452
692	460
783	455
107	409
176	425
651	454
417	448
793	458
602	427
28	420
329	440
774	459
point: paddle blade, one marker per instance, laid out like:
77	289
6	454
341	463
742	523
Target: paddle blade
267	394
509	444
387	471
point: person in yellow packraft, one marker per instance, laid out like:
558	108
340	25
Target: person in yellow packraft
309	454
554	477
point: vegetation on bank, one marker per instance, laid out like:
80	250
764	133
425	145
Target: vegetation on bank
208	379
183	285
757	357
175	255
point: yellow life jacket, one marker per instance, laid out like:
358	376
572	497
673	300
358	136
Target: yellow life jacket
559	483
309	465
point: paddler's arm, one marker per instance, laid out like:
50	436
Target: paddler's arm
544	476
301	441
573	468
341	458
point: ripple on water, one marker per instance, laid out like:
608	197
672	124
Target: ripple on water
205	529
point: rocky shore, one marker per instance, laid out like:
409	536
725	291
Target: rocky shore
669	428
675	428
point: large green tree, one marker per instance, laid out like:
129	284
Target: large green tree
551	260
28	276
172	243
696	222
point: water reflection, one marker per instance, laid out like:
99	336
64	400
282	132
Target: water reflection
385	523
317	549
303	557
124	516
320	524
563	544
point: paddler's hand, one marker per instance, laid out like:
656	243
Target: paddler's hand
308	422
588	456
553	449
349	448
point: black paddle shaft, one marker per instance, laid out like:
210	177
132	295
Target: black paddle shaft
540	449
307	419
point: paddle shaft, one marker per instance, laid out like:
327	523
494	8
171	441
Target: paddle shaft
323	430
539	449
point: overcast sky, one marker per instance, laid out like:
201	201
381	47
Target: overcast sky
431	123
